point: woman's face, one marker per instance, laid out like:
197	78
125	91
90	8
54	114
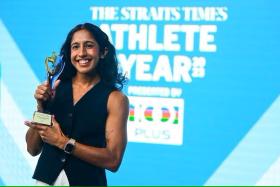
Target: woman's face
85	52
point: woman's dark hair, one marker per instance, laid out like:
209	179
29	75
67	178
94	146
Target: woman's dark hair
107	68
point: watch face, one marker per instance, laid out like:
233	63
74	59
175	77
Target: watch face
69	148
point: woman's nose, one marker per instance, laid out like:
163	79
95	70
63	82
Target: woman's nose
82	51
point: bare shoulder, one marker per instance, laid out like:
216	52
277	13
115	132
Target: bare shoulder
117	99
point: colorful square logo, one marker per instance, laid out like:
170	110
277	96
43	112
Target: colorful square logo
156	120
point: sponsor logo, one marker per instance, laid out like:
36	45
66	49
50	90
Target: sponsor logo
156	120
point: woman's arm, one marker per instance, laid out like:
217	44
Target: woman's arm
32	137
116	136
33	140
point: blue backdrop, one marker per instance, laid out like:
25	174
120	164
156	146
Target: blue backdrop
203	86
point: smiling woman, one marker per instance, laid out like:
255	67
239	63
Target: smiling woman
89	110
85	52
108	70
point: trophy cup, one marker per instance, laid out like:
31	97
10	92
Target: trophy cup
54	67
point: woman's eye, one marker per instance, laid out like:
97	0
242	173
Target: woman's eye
89	45
74	47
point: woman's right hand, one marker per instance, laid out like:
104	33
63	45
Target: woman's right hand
44	93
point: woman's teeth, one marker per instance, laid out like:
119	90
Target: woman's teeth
83	61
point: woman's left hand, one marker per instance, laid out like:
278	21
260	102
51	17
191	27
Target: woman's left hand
52	134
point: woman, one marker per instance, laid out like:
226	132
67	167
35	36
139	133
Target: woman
88	132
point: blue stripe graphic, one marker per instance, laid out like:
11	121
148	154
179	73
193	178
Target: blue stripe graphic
17	82
16	71
255	153
14	168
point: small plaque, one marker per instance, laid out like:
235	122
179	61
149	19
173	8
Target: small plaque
42	118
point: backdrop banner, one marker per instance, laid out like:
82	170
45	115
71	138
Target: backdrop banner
203	86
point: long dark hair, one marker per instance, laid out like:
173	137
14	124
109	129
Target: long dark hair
107	68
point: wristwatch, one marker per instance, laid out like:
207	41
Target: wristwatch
69	146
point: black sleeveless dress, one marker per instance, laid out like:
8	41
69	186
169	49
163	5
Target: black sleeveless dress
85	122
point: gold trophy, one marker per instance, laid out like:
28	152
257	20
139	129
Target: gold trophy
54	67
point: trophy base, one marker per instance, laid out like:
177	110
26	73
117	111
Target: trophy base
42	118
